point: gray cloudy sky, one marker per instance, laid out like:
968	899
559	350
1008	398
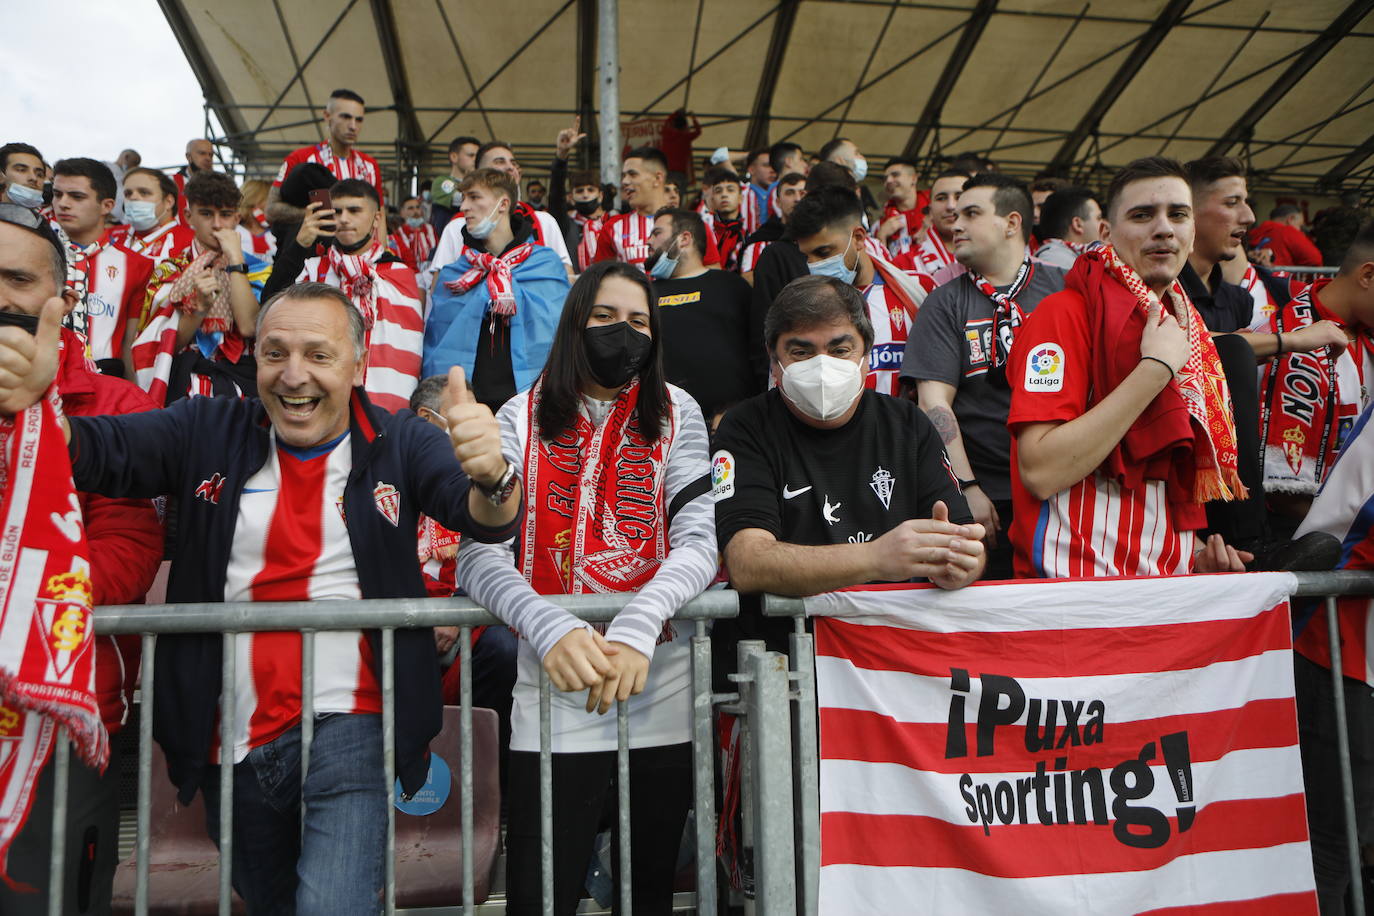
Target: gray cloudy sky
95	76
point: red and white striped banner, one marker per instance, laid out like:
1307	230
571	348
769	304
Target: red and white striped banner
1100	746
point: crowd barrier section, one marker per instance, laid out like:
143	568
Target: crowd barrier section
389	615
775	702
805	761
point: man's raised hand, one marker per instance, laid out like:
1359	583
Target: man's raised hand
28	362
569	137
474	432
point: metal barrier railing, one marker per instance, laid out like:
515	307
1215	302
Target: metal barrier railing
802	700
387	616
1306	271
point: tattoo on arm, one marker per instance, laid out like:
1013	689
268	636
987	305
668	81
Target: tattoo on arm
942	418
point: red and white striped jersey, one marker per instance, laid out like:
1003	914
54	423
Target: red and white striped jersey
158	243
356	165
625	237
749	257
263	246
116	282
291	544
586	249
421	242
1264	303
750	214
396	339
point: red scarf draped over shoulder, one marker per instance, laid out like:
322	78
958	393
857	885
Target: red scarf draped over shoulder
596	517
1186	435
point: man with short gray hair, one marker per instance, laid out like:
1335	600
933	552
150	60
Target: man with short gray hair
310	493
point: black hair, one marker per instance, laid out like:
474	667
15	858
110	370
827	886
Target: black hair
717	174
407	199
429	393
9	149
567	372
813	300
756	153
1361	248
780	152
1059	209
677	180
1008	196
1049	183
355	187
821	209
650	154
459	142
1141	170
904	162
687	221
488	147
96	172
348	94
1204	171
584	178
831	146
973	163
830	175
791	178
165	184
213	189
1282	211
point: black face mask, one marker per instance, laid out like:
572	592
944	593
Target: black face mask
20	320
586	207
616	352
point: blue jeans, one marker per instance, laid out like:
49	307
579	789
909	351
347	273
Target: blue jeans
337	866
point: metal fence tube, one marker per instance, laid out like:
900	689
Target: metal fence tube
465	765
307	711
389	760
1352	838
228	677
57	864
745	650
545	792
622	790
771	753
703	770
807	788
145	773
1333	582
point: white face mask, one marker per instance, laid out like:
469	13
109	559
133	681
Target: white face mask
822	387
141	214
487	225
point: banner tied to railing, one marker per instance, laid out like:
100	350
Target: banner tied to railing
1102	746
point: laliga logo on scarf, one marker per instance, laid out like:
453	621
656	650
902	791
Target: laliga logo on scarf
388	500
63	614
1063	796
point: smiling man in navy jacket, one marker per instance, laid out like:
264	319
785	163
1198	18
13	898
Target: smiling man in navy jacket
308	494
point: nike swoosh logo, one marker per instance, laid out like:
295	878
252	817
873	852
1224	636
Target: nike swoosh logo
789	494
266	490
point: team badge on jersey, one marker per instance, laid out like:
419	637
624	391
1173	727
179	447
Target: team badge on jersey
388	500
722	475
1045	368
882	484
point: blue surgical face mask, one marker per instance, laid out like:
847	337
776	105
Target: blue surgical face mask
25	196
141	214
487	226
835	266
415	222
663	266
860	168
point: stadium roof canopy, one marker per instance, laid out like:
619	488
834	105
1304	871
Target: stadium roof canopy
1075	85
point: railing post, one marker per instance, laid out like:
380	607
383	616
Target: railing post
145	772
57	865
389	761
1352	833
771	753
745	651
545	792
228	677
622	789
307	712
703	770
807	748
465	765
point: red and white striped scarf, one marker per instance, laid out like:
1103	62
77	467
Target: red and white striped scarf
497	271
357	275
47	641
185	293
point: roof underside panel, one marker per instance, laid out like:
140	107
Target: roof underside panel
1038	71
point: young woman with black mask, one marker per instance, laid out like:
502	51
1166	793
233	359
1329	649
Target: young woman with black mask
615	468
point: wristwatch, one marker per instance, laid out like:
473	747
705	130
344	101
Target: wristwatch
237	269
499	492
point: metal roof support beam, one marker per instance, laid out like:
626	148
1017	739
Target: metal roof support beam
586	79
211	82
1169	17
1347	165
944	87
1244	127
410	138
786	17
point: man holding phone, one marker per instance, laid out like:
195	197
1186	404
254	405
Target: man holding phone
343	122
